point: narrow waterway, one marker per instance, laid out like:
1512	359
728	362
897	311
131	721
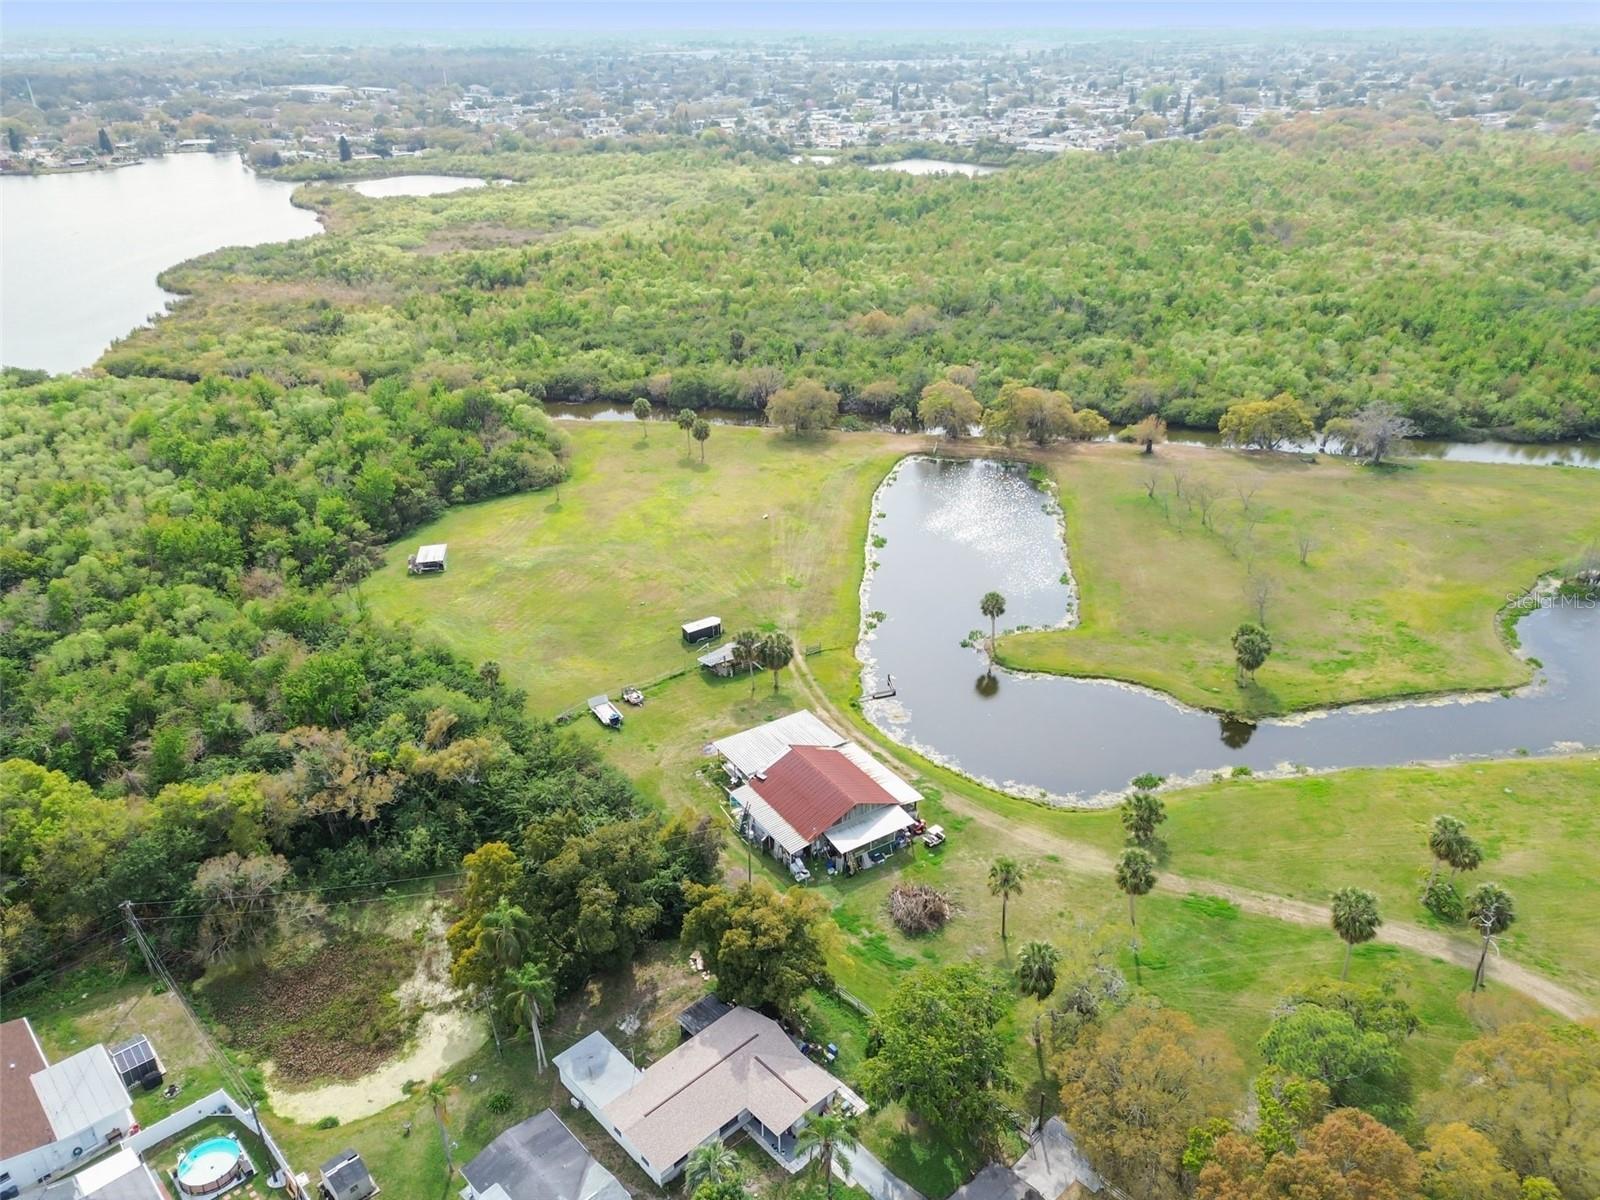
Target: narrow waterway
953	530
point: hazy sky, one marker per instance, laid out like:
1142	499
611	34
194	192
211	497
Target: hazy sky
903	16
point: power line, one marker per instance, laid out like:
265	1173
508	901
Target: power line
159	969
337	887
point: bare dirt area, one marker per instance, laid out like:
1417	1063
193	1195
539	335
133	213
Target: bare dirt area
442	1040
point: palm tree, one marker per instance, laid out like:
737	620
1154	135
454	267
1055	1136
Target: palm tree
1036	976
777	652
1036	970
700	431
1141	813
1465	855
438	1094
1136	875
833	1135
1355	919
1005	881
686	420
641	414
993	606
747	655
505	932
1443	834
529	997
1490	910
711	1163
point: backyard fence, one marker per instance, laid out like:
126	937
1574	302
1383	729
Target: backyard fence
217	1104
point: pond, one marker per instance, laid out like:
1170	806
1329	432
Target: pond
603	411
954	530
1567	454
79	253
415	185
933	166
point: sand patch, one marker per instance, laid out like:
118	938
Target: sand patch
443	1039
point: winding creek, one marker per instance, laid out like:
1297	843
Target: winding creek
954	529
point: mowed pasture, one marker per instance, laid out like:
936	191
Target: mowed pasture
1404	573
585	592
1304	838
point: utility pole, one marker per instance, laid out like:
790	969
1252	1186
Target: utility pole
231	1073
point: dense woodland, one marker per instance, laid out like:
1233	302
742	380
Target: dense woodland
1343	258
179	683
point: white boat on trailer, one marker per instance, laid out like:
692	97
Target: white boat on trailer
607	713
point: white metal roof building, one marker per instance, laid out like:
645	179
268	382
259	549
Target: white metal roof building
754	750
428	555
80	1091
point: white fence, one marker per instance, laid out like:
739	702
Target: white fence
217	1104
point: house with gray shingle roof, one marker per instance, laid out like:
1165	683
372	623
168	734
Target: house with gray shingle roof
538	1159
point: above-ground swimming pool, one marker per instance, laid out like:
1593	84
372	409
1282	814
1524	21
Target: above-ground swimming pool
215	1165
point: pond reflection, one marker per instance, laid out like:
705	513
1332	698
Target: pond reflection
955	530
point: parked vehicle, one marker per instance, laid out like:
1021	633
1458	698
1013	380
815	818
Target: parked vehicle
798	870
933	836
607	713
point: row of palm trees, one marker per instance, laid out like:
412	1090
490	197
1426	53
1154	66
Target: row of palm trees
1353	912
754	651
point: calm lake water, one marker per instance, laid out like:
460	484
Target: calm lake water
955	530
79	253
933	166
1568	454
415	185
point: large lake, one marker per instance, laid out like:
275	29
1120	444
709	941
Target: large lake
954	530
79	253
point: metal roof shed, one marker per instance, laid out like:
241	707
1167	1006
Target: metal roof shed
702	630
427	558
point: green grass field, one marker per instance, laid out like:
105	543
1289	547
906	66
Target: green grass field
1303	838
586	594
1398	594
1225	967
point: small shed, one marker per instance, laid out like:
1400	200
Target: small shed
719	661
702	630
702	1014
345	1177
137	1062
427	559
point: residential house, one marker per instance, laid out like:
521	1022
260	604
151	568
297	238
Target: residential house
742	1072
802	790
122	1175
539	1159
1053	1168
55	1116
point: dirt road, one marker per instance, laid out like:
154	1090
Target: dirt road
1090	860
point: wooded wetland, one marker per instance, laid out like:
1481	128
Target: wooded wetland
217	678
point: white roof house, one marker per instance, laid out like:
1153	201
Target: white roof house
431	554
754	750
81	1090
52	1117
599	1068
